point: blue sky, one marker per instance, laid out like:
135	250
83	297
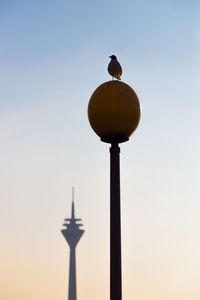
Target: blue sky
53	55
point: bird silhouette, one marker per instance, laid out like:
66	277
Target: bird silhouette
114	68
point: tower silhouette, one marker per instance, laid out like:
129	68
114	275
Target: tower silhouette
72	234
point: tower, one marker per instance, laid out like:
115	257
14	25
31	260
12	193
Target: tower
72	234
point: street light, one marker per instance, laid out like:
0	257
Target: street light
114	114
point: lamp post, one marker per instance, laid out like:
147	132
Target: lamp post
114	114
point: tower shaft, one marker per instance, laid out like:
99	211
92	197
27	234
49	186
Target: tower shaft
72	274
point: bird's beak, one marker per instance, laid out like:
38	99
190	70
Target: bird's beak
109	56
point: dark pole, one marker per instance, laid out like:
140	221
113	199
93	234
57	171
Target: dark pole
115	224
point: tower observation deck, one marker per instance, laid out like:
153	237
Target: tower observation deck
72	234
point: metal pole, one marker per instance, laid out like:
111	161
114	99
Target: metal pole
115	224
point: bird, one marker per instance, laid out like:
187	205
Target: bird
114	68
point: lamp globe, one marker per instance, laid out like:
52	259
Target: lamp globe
114	111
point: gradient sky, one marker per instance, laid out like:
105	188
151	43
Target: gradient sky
53	55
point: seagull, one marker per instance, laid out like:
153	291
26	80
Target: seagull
114	68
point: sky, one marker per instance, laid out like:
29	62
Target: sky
53	55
